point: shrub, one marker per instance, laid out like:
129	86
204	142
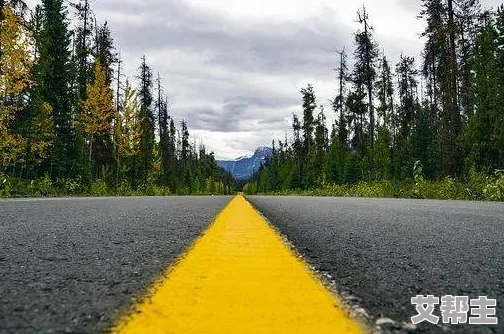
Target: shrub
494	190
99	188
5	186
125	189
475	184
41	187
70	187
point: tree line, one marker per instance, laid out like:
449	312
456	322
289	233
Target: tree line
68	116
435	119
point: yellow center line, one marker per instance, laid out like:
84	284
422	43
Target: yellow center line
239	277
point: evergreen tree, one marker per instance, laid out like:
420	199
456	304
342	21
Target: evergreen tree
357	109
451	117
484	138
406	111
82	46
423	142
309	106
339	105
382	155
295	176
407	82
464	80
172	156
335	162
147	121
385	91
55	86
164	136
366	53
273	179
105	51
468	15
320	151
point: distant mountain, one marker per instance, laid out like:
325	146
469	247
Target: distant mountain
243	168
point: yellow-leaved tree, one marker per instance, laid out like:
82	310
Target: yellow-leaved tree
15	73
128	132
130	124
97	115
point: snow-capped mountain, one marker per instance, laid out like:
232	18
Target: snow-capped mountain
243	168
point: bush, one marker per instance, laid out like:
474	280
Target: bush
373	189
42	187
70	187
475	184
494	190
125	189
5	186
99	188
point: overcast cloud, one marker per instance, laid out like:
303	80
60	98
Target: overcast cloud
233	69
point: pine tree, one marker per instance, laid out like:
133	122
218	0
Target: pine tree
423	142
172	156
309	106
406	112
105	51
316	166
82	46
357	109
366	54
382	155
484	137
36	123
185	148
339	105
147	140
164	134
468	15
335	162
407	82
385	92
297	146
434	55
451	117
55	85
273	172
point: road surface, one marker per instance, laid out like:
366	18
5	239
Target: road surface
72	265
383	252
77	265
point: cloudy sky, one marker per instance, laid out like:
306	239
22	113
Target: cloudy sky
233	68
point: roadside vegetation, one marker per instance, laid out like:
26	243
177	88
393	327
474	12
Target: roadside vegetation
428	129
72	124
476	188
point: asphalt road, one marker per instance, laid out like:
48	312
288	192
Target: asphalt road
74	265
383	252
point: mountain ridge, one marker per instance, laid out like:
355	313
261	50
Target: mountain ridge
244	168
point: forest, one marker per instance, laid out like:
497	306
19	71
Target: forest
72	124
421	128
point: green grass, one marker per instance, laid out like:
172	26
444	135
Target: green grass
11	187
475	187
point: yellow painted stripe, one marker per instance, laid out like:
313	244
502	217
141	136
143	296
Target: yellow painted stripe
239	278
